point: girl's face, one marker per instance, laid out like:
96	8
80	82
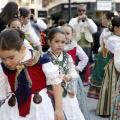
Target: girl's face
68	32
117	30
105	21
11	58
25	20
15	25
57	44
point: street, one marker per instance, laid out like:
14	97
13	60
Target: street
92	104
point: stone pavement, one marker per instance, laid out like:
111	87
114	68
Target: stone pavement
92	104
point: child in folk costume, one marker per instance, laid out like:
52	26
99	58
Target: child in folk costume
101	60
75	50
16	24
28	29
111	75
115	115
57	42
28	74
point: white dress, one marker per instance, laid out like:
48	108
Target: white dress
70	105
42	111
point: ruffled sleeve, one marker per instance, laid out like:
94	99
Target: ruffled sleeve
52	74
117	57
112	42
4	85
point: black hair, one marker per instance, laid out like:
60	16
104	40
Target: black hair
9	12
61	22
54	31
11	39
114	22
14	19
98	23
24	12
109	15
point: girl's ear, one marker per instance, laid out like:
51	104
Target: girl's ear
115	29
22	49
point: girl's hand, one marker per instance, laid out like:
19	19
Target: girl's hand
59	114
92	66
76	69
67	78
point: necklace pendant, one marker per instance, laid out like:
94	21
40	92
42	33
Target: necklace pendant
71	94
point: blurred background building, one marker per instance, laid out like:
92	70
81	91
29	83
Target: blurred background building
65	9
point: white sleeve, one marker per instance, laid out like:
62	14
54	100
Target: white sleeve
82	57
32	36
92	26
73	23
117	57
112	42
4	85
52	74
27	45
41	24
72	70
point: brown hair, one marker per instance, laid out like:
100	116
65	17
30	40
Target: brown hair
11	39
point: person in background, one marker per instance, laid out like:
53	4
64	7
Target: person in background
28	29
16	24
9	12
96	38
35	26
101	60
61	22
115	111
75	50
107	92
41	24
84	27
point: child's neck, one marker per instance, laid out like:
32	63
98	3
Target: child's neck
55	54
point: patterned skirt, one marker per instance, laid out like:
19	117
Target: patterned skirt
116	103
97	75
81	96
107	90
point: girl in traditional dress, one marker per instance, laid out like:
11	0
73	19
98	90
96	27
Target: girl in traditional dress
111	75
16	24
75	50
28	29
101	60
115	90
57	42
28	74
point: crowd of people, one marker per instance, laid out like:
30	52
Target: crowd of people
43	70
